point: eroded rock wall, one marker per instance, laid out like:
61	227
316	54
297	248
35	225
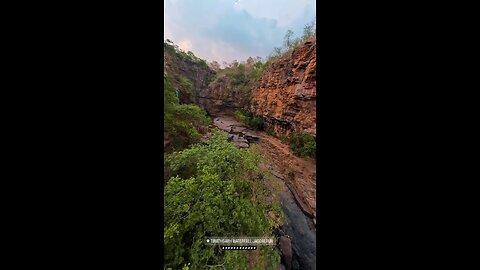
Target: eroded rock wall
285	96
224	96
199	75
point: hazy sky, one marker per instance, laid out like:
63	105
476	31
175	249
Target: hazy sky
227	30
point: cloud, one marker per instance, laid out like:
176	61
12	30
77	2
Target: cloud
226	30
246	33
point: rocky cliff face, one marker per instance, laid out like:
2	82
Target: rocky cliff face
285	96
181	66
224	96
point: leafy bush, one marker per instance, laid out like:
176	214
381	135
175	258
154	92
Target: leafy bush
249	119
303	144
256	123
186	83
240	116
173	49
183	124
215	190
192	113
169	96
290	42
203	63
183	133
240	77
257	73
309	30
270	131
181	121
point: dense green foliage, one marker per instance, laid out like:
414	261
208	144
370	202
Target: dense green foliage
256	123
247	72
241	116
186	86
303	144
173	49
181	121
252	121
186	83
239	78
216	189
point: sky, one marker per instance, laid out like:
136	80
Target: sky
227	30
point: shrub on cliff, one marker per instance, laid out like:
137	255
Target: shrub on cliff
290	42
240	77
303	144
250	120
186	83
240	116
181	121
215	190
256	123
174	50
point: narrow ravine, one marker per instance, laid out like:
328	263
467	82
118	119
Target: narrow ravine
297	178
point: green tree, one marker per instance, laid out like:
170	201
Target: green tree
288	39
187	85
221	193
303	144
277	51
309	30
181	121
214	65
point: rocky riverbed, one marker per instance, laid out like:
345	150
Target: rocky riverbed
297	176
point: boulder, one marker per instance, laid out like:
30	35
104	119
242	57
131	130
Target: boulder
242	145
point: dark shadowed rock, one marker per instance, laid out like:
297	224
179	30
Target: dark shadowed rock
300	227
296	264
278	232
286	248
